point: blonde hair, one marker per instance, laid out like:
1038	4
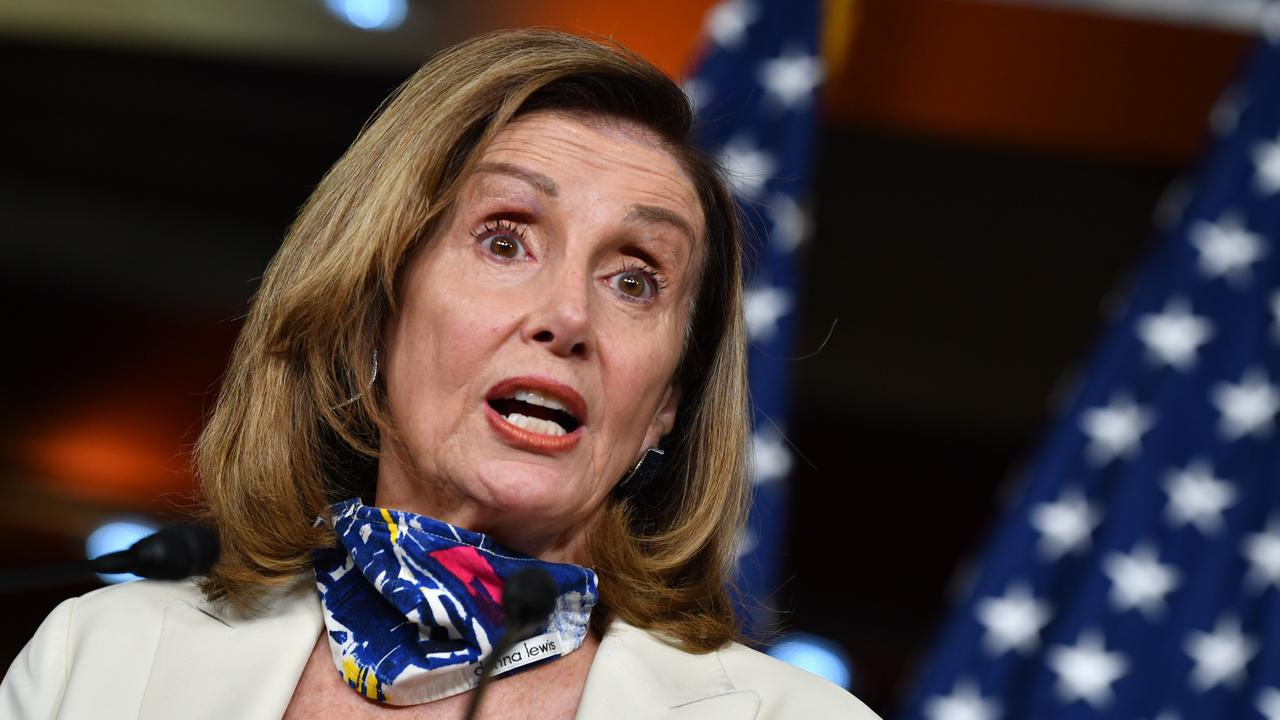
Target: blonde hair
285	441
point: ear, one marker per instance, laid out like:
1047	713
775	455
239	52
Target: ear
664	419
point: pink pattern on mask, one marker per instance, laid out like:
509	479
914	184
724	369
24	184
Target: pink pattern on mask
469	566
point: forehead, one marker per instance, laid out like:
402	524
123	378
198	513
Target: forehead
605	160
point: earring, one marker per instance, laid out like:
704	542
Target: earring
649	467
373	377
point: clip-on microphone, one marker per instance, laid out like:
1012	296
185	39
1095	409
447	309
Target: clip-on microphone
528	597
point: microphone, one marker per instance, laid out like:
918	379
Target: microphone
173	553
528	597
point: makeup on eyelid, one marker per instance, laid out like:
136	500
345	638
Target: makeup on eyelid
508	241
505	191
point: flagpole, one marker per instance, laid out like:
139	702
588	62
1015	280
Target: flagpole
1247	16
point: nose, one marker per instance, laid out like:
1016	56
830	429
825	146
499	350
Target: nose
561	322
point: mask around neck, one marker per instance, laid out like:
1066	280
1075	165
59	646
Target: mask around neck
412	605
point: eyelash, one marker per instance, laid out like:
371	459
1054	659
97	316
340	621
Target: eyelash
503	227
656	278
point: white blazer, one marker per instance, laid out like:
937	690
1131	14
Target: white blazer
158	650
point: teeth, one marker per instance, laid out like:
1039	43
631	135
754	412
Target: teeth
532	424
536	398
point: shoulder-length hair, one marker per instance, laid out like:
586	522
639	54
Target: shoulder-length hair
299	418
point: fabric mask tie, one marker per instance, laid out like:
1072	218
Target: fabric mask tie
412	604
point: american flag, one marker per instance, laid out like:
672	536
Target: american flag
1137	574
755	94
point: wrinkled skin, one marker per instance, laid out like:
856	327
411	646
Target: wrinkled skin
563	259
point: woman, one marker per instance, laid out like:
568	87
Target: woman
504	331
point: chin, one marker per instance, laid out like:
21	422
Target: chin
540	499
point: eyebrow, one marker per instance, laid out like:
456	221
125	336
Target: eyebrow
544	184
653	214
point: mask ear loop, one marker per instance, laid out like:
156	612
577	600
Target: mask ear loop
646	470
373	377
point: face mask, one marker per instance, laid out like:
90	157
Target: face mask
412	605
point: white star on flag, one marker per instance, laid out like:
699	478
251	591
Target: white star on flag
1064	525
746	167
727	22
1262	550
1271	23
1266	162
1220	656
1248	408
1226	112
1086	670
1172	204
791	78
1173	336
1227	248
1138	580
1197	497
1012	621
1268	703
698	91
770	458
790	222
964	703
1115	430
765	305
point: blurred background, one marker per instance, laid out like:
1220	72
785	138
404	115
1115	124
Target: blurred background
988	173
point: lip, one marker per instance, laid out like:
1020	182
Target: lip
526	439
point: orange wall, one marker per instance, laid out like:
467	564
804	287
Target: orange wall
972	70
1019	74
664	31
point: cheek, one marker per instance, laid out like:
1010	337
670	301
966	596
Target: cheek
642	367
452	340
440	346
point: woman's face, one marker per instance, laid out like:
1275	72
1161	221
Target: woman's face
532	358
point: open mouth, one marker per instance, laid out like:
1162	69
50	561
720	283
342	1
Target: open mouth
536	412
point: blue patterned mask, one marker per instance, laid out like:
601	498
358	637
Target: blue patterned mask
412	604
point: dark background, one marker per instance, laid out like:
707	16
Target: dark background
963	265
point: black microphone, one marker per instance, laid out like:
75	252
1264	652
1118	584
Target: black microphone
528	597
173	553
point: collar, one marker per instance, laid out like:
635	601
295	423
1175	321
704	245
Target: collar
638	674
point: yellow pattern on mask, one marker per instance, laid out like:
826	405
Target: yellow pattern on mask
391	524
360	678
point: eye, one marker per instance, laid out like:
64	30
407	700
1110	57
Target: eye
503	246
636	282
503	239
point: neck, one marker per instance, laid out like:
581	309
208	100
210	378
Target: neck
399	487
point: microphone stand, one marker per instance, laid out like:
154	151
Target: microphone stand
509	640
528	597
173	553
13	581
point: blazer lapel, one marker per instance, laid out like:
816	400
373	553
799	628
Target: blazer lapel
636	675
212	664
